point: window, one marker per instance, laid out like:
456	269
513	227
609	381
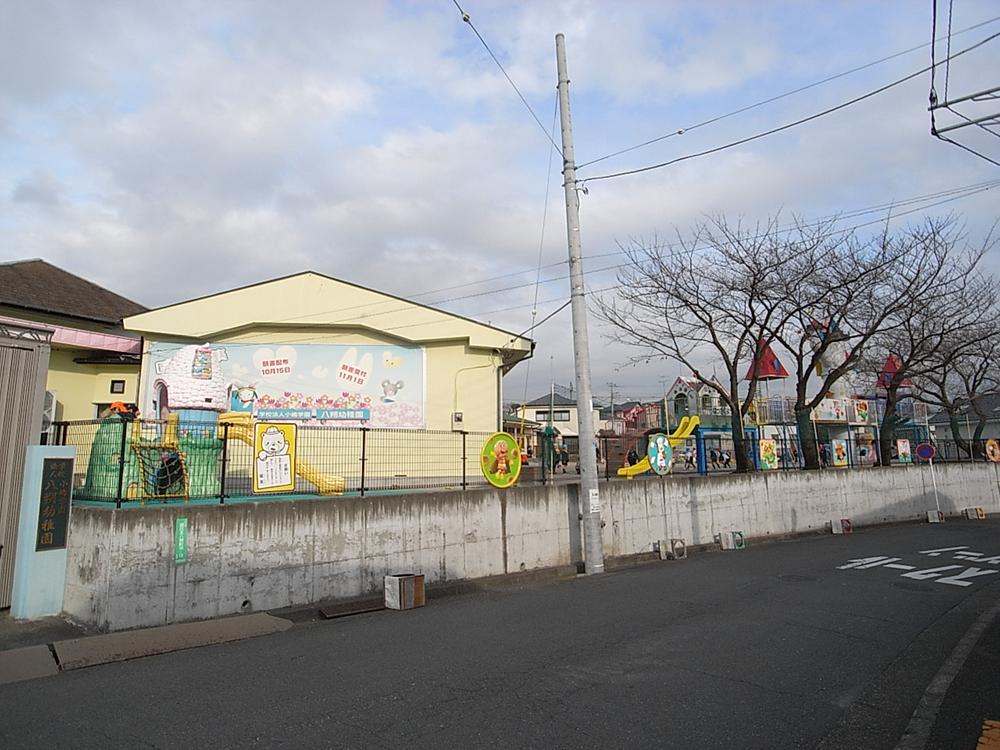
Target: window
706	402
118	386
557	416
98	408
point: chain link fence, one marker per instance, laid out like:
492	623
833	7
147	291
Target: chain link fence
122	461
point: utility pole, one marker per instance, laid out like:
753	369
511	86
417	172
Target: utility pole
590	498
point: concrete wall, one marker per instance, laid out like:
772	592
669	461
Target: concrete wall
261	556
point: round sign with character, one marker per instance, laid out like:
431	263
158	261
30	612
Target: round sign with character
500	460
659	453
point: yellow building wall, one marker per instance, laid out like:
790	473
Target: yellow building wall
79	387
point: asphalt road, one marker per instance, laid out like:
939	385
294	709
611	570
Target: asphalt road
777	646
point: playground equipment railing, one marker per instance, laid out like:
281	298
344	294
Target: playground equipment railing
132	461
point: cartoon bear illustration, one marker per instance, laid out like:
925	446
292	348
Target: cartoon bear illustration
390	389
273	444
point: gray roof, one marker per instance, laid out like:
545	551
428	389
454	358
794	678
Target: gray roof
42	287
557	400
988	403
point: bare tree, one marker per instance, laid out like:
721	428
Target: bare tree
943	323
719	291
861	289
961	374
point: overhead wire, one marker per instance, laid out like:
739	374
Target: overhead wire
947	67
777	97
310	338
949	195
786	126
541	249
933	97
468	19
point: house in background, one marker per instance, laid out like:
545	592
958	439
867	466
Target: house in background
967	419
565	419
691	397
93	360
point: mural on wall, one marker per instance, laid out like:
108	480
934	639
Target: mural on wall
340	385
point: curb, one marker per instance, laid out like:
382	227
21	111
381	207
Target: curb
89	651
26	663
77	653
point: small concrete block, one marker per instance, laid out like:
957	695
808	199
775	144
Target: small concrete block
935	516
404	591
26	664
975	514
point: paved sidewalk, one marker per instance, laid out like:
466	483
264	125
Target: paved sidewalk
971	708
46	647
22	633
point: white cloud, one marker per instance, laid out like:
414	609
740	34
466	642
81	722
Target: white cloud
168	151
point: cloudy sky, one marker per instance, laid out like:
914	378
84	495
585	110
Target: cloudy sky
171	150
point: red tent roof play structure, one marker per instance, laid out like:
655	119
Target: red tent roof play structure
766	366
889	370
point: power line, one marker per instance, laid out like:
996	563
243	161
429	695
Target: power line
541	247
565	302
947	68
786	126
967	148
947	195
468	20
959	193
747	108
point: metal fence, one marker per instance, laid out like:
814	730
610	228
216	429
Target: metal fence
124	461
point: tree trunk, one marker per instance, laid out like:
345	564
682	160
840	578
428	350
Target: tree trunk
887	429
956	433
743	464
807	438
978	446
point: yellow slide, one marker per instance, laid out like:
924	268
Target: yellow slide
684	430
241	428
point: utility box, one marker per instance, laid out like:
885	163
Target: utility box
841	526
404	591
734	540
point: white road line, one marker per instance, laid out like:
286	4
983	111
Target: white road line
961	579
936	552
923	575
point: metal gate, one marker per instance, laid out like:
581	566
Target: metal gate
24	364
